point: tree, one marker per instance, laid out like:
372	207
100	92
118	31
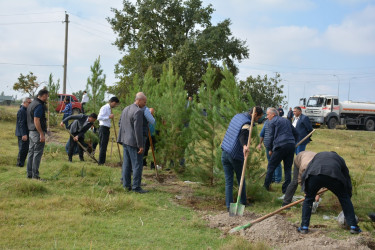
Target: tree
27	84
96	87
53	89
265	92
156	33
78	94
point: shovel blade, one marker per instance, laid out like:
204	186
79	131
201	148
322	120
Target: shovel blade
236	209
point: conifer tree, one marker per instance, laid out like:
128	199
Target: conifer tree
96	87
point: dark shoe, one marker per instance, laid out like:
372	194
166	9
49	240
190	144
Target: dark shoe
355	230
285	204
82	159
128	189
70	160
29	177
372	216
140	191
303	230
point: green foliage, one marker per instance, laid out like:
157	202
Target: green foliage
7	116
27	84
53	89
78	94
155	33
96	88
91	137
265	92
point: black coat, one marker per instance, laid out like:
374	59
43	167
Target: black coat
21	126
329	164
80	125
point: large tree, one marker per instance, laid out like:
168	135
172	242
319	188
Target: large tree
27	84
152	33
265	92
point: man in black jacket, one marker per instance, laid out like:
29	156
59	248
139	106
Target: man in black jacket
22	132
328	169
37	125
78	128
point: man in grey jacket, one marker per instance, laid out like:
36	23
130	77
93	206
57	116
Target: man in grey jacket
131	138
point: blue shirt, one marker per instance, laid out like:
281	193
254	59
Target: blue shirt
38	111
68	109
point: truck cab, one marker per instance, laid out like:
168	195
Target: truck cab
323	109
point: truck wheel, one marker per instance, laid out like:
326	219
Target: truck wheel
370	125
332	122
76	111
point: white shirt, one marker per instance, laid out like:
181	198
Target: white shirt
295	121
103	116
85	98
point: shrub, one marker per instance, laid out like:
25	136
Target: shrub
7	116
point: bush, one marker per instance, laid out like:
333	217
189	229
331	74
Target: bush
7	116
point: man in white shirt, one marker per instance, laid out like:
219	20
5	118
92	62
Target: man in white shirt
85	99
104	117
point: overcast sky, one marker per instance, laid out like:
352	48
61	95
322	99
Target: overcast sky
318	47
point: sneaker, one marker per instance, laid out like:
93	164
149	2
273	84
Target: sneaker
355	230
140	191
303	230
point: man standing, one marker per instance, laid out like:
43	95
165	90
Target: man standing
265	138
132	139
78	128
329	170
85	99
104	117
282	143
37	125
22	132
290	115
281	111
234	147
67	110
303	126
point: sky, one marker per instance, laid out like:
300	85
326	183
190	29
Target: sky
318	47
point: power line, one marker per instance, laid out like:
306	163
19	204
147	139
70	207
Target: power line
107	26
30	23
31	13
36	65
94	34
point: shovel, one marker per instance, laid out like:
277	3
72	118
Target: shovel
84	149
238	208
236	229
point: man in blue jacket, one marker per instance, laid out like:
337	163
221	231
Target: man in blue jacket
283	138
303	126
22	132
234	145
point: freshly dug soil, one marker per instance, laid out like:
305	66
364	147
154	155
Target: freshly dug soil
277	232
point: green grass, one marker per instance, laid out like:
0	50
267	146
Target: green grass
82	205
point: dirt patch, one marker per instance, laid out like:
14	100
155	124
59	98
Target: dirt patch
277	232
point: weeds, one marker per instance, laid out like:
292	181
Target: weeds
29	188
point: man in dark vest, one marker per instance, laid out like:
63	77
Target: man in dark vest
37	125
78	128
234	145
22	132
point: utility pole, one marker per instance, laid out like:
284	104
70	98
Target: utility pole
66	51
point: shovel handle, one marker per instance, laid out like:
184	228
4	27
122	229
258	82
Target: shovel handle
304	139
114	128
246	155
84	149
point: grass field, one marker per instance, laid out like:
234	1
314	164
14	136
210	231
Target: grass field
82	205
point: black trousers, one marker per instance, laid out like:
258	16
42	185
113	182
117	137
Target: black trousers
312	186
23	149
284	153
73	144
147	148
104	133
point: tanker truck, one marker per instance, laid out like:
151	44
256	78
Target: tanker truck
326	109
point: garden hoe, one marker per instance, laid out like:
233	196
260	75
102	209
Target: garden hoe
236	229
118	147
84	149
238	208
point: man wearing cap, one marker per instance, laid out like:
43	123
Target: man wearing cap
234	147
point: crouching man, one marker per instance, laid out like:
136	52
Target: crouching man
327	169
78	128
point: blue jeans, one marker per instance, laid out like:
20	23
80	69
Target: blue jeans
300	148
66	122
230	166
132	161
278	174
284	153
312	186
